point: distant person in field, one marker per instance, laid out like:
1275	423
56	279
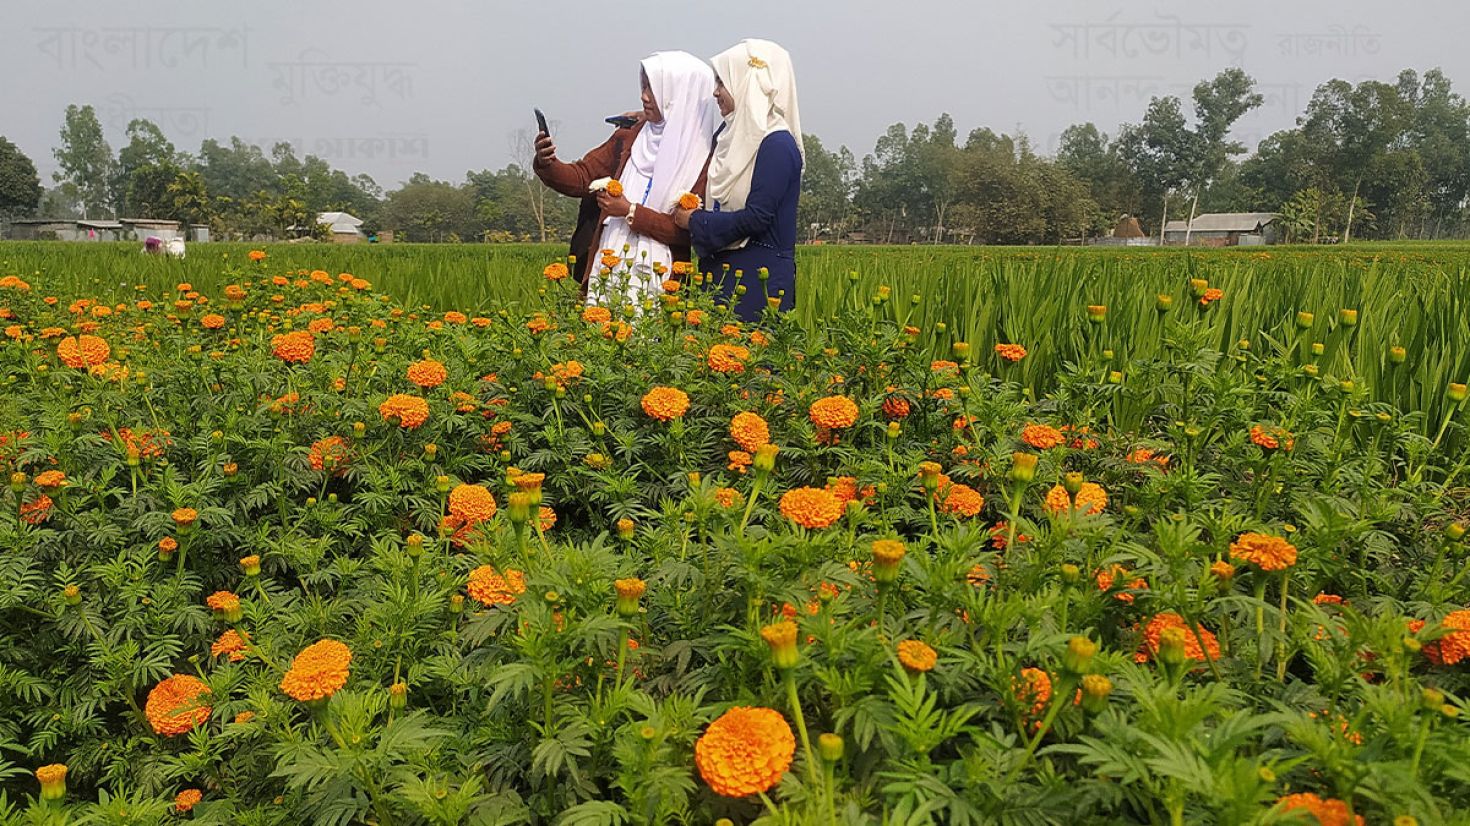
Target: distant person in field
656	161
749	222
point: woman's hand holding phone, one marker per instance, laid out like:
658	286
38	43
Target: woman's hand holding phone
545	149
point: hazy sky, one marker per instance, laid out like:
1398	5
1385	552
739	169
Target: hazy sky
389	87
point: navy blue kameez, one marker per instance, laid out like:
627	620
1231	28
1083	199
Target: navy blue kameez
768	221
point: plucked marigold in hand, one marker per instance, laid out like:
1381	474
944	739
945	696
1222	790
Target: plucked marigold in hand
318	672
744	751
665	403
1269	553
833	412
615	188
812	508
688	201
409	411
176	705
295	347
1192	650
1091	499
488	587
916	656
750	431
1042	436
427	373
471	504
82	351
1328	812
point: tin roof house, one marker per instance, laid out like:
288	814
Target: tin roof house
1225	229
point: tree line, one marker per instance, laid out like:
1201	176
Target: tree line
1371	160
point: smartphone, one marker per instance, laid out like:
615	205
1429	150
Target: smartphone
541	123
621	121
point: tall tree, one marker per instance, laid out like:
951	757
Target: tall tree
1350	128
85	160
145	165
20	187
826	189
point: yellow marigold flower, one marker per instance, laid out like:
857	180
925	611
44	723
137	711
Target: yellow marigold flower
1091	499
176	705
471	504
833	412
745	751
811	508
427	373
409	411
750	431
1269	553
295	347
1041	436
917	657
488	587
728	358
318	672
962	500
186	800
665	403
82	351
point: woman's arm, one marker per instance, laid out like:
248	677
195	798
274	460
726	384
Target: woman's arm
777	162
573	178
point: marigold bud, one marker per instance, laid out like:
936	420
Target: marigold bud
887	556
1347	318
1115	377
1396	355
53	781
398	696
629	592
72	594
250	565
229	469
781	637
765	458
830	747
414	545
1199	286
599	428
1023	467
431	450
1071	574
1164	302
893	430
961	350
456	603
18	482
519	507
1318	348
1095	691
1304	320
441	483
1456	392
359	428
1097	313
625	529
1078	656
1072	482
1171	646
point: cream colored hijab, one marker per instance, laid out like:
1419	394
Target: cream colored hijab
759	76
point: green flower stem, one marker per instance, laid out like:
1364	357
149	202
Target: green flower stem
1419	747
806	743
1281	639
1065	691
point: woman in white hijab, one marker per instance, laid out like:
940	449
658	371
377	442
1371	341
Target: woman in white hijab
747	236
656	161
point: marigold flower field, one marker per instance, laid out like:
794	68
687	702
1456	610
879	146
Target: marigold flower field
283	549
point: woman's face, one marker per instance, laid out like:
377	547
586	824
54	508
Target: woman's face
724	99
651	112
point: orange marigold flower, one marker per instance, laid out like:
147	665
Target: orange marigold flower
223	602
727	358
1042	436
1032	690
688	201
1269	553
1118	575
750	431
177	704
318	326
82	351
944	366
186	800
455	317
1272	438
1454	646
1010	352
428	373
488	587
1149	647
471	504
555	271
744	751
596	315
727	497
546	518
1211	294
1222	570
212	321
318	672
1327	811
615	188
896	407
329	453
409	411
244	717
257	255
37	510
1143	456
739	461
1327	599
812	508
184	517
231	643
665	403
833	412
978	575
1091	499
962	500
295	347
916	657
50	479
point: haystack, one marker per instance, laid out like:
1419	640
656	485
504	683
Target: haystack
1127	228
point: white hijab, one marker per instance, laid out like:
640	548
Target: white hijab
666	158
759	76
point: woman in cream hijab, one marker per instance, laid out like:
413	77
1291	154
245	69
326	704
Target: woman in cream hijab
748	228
